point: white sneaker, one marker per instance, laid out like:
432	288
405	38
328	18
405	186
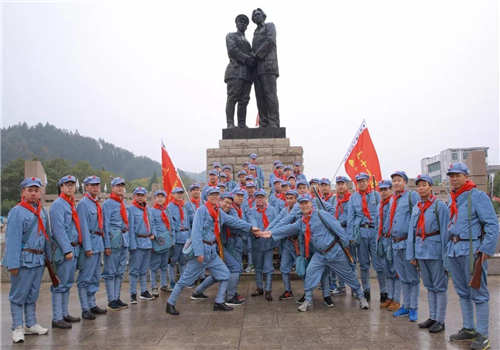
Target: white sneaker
306	305
18	334
363	303
36	329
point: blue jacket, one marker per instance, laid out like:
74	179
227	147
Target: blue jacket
434	247
355	215
276	203
342	219
163	237
191	208
19	221
204	191
299	176
137	226
402	216
113	222
482	216
283	243
87	211
182	228
296	213
259	243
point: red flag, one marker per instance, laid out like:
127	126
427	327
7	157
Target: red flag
362	157
496	199
170	178
257	120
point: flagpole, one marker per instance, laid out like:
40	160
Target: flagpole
343	158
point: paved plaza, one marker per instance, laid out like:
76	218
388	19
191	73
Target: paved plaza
258	325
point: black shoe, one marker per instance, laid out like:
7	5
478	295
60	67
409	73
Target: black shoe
328	301
98	311
146	296
286	295
427	324
88	315
222	307
480	342
121	304
61	324
234	302
301	300
113	306
198	296
133	298
368	295
71	319
269	296
383	297
437	327
464	335
257	292
172	310
231	126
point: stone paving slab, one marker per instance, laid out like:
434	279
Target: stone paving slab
259	324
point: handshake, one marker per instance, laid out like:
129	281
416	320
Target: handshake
251	60
257	233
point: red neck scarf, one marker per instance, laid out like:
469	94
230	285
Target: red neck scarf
123	210
212	184
41	226
196	201
238	209
265	220
421	219
180	205
327	197
394	206
280	196
250	202
469	185
213	210
296	173
340	202
282	176
144	213
99	210
164	216
365	203
307	236
74	215
381	215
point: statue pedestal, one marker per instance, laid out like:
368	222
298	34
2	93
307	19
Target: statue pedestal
254	133
235	152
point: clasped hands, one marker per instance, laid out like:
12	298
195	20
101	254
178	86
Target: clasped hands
257	232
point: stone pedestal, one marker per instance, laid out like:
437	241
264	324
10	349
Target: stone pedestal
235	152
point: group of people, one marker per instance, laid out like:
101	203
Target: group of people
403	234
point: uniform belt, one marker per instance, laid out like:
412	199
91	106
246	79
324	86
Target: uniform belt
124	230
329	248
367	226
184	229
343	225
436	233
399	239
74	244
385	235
99	233
456	239
208	242
34	251
143	236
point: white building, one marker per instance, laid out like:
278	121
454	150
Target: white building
437	166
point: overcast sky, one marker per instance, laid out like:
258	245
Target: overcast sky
424	75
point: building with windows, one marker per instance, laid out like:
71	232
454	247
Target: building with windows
436	166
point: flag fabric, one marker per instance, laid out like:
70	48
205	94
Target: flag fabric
169	176
362	157
257	121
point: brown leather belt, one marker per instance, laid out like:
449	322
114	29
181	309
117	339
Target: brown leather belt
184	229
208	242
143	236
34	251
456	239
436	233
124	230
74	244
329	248
385	235
399	239
366	226
343	225
99	233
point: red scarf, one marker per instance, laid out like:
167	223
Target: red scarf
282	177
280	196
394	205
238	209
250	202
74	215
41	226
340	202
123	210
381	215
469	185
265	220
421	219
144	213
296	173
180	205
305	220
365	203
330	195
164	216
99	210
213	210
212	184
197	202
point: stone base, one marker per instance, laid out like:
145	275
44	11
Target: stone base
257	133
236	152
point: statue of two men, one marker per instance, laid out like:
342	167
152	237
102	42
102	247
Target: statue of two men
257	63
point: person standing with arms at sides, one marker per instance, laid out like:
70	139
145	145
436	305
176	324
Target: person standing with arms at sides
182	229
213	179
262	250
27	245
67	237
116	235
195	191
472	223
260	171
384	248
230	183
401	205
90	213
163	243
326	190
297	173
361	218
427	239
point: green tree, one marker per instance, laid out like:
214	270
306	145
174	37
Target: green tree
55	169
496	191
12	176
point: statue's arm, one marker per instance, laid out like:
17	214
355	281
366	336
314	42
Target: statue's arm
270	42
234	52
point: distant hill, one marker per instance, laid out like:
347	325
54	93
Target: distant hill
47	142
198	177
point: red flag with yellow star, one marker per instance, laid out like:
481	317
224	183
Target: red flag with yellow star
169	175
362	157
